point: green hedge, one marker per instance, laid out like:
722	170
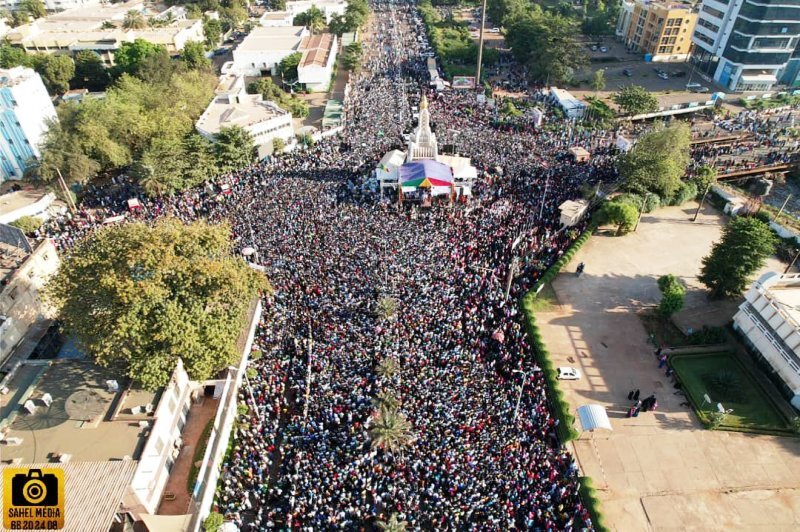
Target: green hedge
566	421
589	497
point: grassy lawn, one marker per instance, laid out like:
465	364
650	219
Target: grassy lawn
726	381
545	301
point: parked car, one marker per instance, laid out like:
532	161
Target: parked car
701	90
604	49
594	47
221	51
693	85
663	75
494	30
569	374
628	72
679	74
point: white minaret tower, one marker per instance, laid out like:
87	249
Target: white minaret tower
423	142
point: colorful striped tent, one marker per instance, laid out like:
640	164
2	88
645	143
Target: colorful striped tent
426	174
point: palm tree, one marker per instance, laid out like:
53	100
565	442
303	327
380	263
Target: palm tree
390	430
388	367
134	20
386	400
387	307
393	525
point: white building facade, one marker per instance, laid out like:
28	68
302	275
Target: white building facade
745	45
25	109
232	106
52	5
769	320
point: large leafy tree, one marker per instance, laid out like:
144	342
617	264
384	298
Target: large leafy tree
621	214
194	57
140	297
131	56
212	32
313	19
90	73
287	67
352	56
657	162
545	43
56	71
234	148
34	8
745	245
634	100
11	56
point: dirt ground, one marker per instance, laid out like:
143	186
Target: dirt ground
659	471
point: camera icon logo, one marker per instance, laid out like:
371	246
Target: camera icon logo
34	489
33	499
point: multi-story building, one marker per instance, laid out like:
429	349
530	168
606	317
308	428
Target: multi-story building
24	270
232	106
746	45
659	29
100	29
51	5
25	109
769	320
624	18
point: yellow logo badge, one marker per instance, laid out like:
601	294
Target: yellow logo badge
33	499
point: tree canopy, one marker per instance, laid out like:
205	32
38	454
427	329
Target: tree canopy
545	43
621	214
90	73
194	56
313	19
234	148
131	57
140	297
657	162
634	100
742	250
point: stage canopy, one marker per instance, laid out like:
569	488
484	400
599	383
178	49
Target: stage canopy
425	174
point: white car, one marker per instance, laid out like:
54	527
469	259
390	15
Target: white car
568	374
604	49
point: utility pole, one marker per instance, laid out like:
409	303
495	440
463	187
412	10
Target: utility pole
521	388
308	373
697	212
480	47
782	207
70	203
511	271
544	196
253	400
789	267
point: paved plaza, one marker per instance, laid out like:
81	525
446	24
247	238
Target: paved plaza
661	470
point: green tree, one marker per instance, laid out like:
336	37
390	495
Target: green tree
313	19
353	53
194	57
338	24
61	150
634	100
278	5
11	56
201	163
28	224
212	31
56	71
623	215
157	293
705	177
90	73
35	8
234	12
355	15
672	294
598	81
278	145
509	109
394	524
287	67
390	430
157	69
544	42
19	17
134	20
233	148
213	522
161	167
131	56
745	245
657	162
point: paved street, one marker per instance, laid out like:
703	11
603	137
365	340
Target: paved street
661	470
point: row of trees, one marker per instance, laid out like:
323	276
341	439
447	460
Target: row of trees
145	125
354	17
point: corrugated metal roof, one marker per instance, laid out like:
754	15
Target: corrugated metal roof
317	49
93	491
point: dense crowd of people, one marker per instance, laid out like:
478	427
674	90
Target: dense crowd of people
485	452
